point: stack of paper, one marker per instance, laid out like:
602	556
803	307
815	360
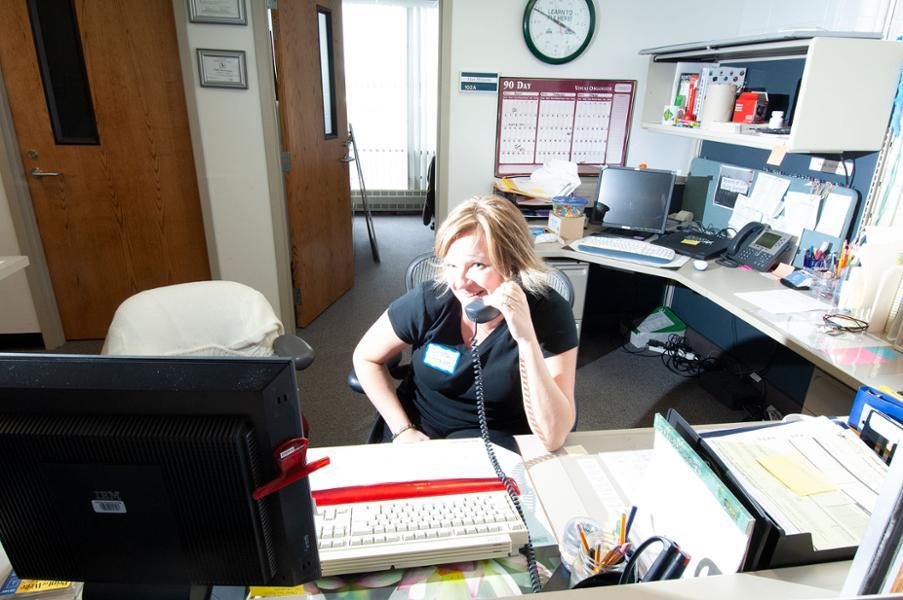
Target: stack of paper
811	477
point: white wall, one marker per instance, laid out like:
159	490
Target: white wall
17	313
230	157
488	37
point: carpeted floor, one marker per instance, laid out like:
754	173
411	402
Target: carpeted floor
614	389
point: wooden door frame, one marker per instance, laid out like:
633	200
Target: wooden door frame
24	221
25	225
282	238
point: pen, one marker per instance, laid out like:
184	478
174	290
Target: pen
630	521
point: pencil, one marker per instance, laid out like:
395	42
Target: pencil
623	528
583	539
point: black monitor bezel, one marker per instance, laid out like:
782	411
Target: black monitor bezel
261	390
597	215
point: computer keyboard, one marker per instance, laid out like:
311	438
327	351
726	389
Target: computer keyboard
625	248
411	532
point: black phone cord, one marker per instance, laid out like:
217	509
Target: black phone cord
490	451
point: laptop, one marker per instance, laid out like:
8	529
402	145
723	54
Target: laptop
695	244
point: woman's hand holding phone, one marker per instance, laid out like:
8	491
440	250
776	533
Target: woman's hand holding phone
511	300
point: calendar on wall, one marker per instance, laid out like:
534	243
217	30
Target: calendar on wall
586	121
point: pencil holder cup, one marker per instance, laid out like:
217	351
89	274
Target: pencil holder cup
571	544
824	284
586	570
596	578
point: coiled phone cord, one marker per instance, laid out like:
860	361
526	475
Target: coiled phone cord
490	451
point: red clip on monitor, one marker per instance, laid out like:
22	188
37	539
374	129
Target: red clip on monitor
291	458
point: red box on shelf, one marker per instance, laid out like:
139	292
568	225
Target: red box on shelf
750	107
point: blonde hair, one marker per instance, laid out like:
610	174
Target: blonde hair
508	241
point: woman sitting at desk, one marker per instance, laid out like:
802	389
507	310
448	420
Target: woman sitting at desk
528	352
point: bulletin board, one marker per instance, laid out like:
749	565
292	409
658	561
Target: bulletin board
718	216
585	121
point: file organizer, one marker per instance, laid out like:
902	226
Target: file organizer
769	546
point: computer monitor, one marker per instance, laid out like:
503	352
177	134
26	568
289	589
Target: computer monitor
633	199
135	474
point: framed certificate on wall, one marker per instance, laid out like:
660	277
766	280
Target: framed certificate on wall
222	68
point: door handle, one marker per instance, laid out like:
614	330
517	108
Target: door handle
37	172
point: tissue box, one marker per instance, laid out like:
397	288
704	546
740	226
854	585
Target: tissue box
567	229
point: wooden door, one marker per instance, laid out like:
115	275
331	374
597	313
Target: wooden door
314	132
123	215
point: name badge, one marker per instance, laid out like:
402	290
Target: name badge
441	358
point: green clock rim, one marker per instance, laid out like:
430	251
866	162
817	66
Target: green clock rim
565	59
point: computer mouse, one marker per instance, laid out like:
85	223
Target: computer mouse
700	265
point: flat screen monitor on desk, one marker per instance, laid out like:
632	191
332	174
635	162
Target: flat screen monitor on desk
136	475
633	200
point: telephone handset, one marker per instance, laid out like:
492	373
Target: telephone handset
758	246
480	312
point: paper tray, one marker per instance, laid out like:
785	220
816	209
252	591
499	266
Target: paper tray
769	546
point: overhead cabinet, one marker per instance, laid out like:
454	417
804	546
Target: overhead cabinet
844	99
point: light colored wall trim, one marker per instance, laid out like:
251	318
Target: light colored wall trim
12	177
282	242
443	146
186	57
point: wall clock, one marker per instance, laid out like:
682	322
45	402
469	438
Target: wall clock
558	31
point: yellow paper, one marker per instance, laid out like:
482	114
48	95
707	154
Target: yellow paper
802	480
578	450
274	592
886	390
690	242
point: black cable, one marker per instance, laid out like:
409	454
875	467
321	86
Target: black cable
846	173
628	573
490	451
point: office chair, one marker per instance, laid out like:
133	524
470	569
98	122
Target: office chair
424	267
203	318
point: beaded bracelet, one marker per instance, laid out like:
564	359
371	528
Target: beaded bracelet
402	430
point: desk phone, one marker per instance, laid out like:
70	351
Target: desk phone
758	246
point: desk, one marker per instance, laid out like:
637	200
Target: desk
855	359
561	501
11	264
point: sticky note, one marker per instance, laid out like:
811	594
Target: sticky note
578	450
783	270
690	242
777	156
274	592
802	480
